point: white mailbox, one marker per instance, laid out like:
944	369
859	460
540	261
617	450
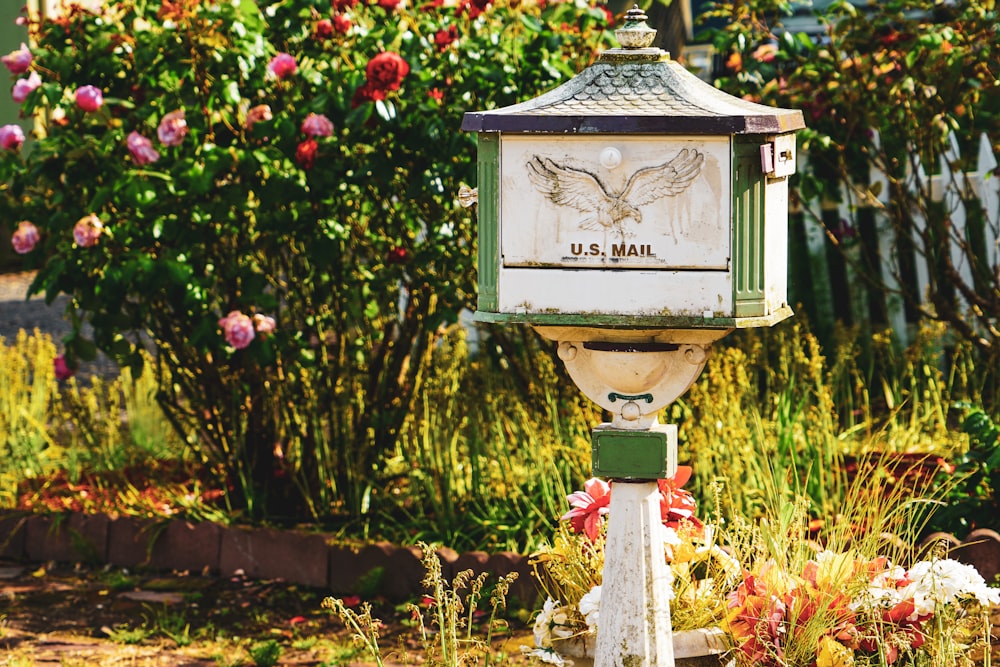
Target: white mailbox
634	215
634	195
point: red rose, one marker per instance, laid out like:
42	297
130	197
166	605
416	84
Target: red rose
366	93
442	38
436	95
388	5
341	24
305	154
473	7
324	29
386	71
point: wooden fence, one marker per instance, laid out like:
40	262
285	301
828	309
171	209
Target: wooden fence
827	282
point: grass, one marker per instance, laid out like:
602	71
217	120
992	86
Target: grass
495	443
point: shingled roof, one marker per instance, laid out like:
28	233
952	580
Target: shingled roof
636	91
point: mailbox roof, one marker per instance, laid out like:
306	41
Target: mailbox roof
636	91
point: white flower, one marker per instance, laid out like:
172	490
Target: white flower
546	655
590	608
945	581
883	590
543	637
552	622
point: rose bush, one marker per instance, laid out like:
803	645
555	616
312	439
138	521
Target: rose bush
294	163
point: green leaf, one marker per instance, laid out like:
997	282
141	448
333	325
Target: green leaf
531	23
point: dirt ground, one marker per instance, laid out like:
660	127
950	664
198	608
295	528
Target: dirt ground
73	617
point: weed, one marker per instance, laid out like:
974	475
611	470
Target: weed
118	580
342	654
265	654
447	637
123	634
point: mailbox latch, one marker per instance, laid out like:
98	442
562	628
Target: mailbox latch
777	156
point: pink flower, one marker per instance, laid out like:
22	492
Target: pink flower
257	114
89	98
676	504
11	137
62	369
317	125
237	328
142	149
172	129
264	324
589	506
282	66
23	87
305	153
87	231
24	238
18	61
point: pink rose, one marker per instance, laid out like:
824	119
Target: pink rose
282	66
18	61
264	324
305	153
24	238
62	369
23	87
141	149
172	129
87	231
257	114
11	137
317	125
237	328
89	98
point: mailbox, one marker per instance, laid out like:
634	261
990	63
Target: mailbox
634	195
634	215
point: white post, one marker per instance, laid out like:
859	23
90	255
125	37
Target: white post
986	183
634	629
958	244
917	179
888	252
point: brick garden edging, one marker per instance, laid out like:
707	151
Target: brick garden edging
309	559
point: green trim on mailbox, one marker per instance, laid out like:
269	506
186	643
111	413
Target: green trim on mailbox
634	321
748	230
488	209
630	454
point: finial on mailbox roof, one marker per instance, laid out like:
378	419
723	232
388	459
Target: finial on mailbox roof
635	34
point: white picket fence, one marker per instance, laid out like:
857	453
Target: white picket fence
956	189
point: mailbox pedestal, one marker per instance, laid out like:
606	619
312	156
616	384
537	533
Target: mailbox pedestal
634	627
634	215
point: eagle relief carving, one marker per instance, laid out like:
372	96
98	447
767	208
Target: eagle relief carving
579	189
